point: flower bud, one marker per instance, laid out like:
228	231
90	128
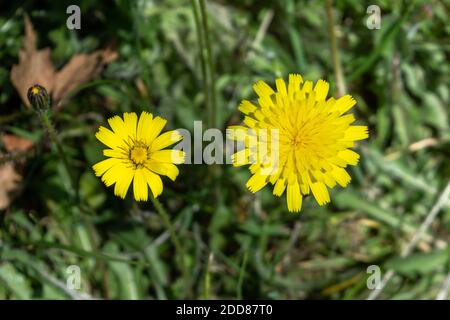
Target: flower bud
38	97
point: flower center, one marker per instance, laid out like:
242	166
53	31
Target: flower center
35	90
296	140
138	155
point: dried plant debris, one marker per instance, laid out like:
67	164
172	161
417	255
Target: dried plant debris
13	143
35	66
10	180
10	177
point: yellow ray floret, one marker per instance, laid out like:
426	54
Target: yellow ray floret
136	155
297	139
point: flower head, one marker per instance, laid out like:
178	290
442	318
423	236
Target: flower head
38	97
136	154
306	140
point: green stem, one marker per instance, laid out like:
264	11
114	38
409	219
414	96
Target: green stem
198	29
211	68
47	124
173	236
207	279
40	102
241	275
338	75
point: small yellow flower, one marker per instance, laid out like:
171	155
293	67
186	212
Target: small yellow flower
135	154
313	137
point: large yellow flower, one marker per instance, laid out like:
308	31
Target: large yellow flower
136	154
312	134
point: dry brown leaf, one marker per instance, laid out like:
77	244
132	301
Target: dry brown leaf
9	182
9	176
14	143
35	67
80	69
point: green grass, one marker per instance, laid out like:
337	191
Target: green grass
237	245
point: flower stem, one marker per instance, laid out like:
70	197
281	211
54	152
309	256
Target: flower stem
211	67
47	124
40	101
338	75
209	77
173	236
198	29
207	278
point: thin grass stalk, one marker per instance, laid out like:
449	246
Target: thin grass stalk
210	64
207	278
198	29
242	275
337	67
179	248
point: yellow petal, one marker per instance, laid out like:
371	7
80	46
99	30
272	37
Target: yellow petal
249	121
165	169
165	140
320	192
247	107
295	80
130	120
118	126
294	198
344	103
356	133
256	182
157	125
154	182
144	127
329	180
262	89
341	176
279	188
101	167
321	90
123	180
281	87
168	156
240	158
306	182
108	138
307	87
112	175
115	153
140	188
350	156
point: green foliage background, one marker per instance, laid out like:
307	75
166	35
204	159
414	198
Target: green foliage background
238	245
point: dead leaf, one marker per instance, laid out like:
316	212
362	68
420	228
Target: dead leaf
9	182
9	175
80	69
35	67
14	143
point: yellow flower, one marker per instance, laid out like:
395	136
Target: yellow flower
135	154
312	134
